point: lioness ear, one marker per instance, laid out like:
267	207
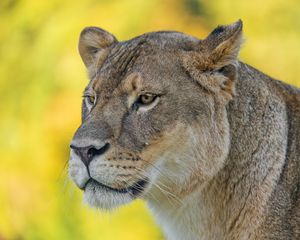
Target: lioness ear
214	62
93	47
224	43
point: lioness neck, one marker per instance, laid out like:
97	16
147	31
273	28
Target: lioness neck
233	204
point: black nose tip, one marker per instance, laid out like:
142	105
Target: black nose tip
88	153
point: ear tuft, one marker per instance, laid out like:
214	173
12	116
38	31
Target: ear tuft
218	30
93	47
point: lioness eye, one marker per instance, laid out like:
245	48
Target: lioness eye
91	99
146	99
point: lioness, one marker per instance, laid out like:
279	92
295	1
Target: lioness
211	144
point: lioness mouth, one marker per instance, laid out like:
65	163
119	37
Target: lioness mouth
134	190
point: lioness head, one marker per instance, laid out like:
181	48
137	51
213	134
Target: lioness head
153	113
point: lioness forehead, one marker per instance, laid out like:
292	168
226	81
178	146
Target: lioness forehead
166	40
140	54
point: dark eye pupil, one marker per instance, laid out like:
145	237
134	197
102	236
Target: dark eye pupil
91	99
146	98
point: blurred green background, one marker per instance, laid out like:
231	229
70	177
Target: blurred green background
42	78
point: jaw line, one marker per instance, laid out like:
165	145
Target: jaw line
106	198
134	190
101	198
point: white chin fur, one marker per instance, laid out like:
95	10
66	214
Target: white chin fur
98	197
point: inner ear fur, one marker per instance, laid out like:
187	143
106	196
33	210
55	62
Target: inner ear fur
93	47
214	63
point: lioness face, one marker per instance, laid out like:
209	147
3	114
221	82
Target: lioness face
149	122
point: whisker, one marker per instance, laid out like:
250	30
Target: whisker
164	191
152	195
158	170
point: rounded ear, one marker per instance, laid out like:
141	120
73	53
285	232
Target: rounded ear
224	43
93	47
214	64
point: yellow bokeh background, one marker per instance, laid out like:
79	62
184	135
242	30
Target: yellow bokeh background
41	81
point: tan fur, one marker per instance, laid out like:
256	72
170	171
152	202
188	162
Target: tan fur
219	147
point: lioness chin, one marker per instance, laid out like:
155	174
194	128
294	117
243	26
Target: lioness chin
211	144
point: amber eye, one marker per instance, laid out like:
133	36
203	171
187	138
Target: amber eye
147	98
91	99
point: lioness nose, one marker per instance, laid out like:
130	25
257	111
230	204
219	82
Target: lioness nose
88	153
